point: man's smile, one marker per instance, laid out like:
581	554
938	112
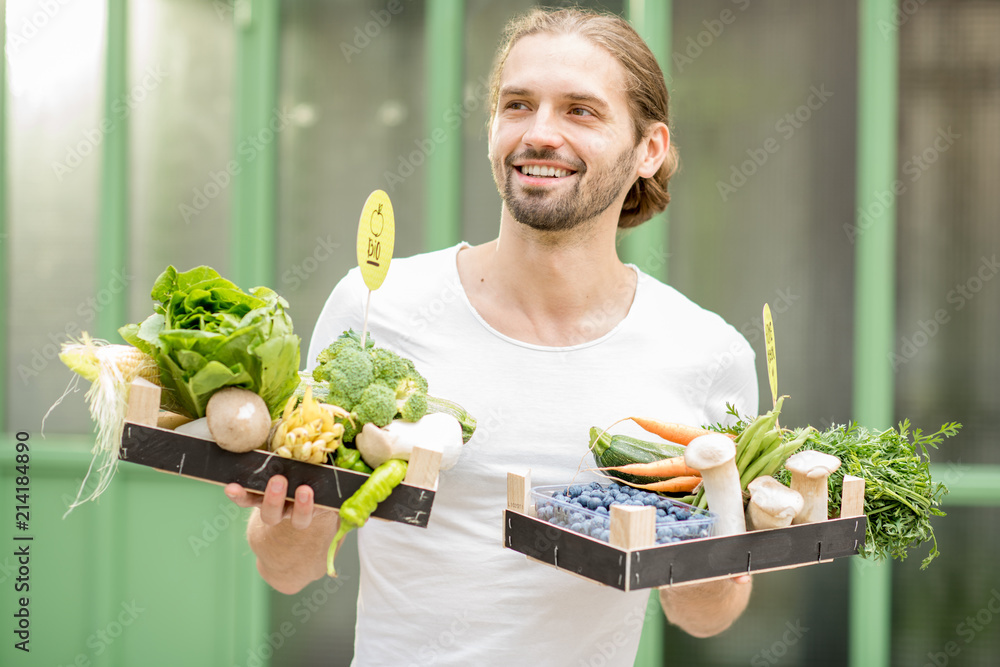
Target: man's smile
543	171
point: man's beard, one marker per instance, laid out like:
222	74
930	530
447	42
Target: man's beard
547	211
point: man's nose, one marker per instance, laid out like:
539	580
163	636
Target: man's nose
544	131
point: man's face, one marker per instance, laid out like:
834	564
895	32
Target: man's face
561	144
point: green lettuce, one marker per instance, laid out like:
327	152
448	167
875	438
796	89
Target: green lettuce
206	333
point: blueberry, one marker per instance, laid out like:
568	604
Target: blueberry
660	513
575	490
605	535
621	497
594	503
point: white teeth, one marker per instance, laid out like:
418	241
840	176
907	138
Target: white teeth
539	170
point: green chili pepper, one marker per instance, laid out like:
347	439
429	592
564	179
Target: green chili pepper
354	512
350	459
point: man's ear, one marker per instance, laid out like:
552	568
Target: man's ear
657	145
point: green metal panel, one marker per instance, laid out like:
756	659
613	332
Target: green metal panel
112	226
257	120
444	44
870	604
155	573
969	486
652	20
4	237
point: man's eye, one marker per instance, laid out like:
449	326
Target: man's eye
580	111
517	106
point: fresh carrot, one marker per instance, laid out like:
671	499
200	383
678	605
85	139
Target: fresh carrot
684	484
682	434
671	467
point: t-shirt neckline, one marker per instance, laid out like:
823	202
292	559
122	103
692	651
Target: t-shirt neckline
534	346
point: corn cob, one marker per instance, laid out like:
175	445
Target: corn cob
89	356
110	370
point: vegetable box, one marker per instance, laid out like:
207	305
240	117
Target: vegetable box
148	440
632	561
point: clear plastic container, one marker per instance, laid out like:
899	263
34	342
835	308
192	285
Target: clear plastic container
675	521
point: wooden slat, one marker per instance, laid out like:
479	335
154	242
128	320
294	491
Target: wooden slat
633	527
143	403
422	468
573	552
203	460
518	492
852	498
688	561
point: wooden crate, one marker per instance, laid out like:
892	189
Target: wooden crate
147	440
632	561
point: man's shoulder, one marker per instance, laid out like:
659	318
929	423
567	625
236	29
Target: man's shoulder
668	309
413	272
427	265
418	289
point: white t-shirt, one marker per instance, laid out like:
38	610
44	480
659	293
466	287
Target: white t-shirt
451	594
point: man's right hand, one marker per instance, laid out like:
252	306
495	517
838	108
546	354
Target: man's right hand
289	538
274	507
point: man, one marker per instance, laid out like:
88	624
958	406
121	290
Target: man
540	334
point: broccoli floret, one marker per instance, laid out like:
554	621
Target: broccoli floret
377	405
401	375
411	399
348	372
351	430
390	368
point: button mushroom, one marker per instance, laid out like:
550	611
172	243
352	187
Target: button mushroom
810	470
436	431
238	419
772	504
714	455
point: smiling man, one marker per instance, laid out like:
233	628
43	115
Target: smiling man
540	333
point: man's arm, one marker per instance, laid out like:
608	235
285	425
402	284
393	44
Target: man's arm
704	610
290	539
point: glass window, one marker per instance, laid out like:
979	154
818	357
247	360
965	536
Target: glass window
55	129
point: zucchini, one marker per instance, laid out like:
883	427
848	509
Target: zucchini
619	450
468	422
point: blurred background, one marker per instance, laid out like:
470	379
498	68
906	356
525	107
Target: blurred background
840	161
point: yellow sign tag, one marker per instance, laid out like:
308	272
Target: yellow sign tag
376	237
772	362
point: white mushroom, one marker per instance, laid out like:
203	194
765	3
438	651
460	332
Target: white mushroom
810	470
714	455
435	431
772	504
238	419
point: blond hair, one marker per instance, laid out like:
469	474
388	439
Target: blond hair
646	90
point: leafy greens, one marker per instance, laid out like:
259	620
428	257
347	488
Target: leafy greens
900	496
206	333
